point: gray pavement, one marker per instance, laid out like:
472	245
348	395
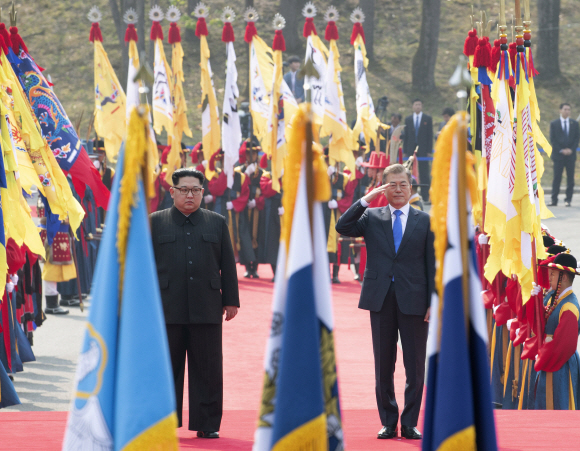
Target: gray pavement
47	384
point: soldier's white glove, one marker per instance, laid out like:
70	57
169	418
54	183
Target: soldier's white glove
548	340
331	170
208	198
509	323
97	164
282	173
204	164
536	289
332	204
9	287
280	211
359	162
229	205
483	239
14	279
252	204
251	169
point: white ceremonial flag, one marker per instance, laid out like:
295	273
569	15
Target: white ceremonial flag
231	129
318	53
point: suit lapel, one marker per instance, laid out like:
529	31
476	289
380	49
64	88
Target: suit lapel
411	223
387	224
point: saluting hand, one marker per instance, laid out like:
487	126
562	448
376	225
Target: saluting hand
374	193
230	312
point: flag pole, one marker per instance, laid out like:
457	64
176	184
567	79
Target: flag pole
462	79
537	299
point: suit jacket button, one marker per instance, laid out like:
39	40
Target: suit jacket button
189	247
191	278
190	262
188	233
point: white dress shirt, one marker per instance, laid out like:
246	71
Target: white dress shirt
565	124
405	209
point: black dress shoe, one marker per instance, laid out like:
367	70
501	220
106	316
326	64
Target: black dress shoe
73	302
388	432
247	274
255	275
208	434
553	204
335	280
410	433
568	204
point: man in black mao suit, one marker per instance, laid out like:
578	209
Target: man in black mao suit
564	137
198	281
419	132
398	282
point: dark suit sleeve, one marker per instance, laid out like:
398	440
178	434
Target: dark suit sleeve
229	275
430	262
354	221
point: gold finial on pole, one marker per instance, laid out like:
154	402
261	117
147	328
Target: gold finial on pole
13	14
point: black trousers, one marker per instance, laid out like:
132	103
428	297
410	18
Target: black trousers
386	325
202	343
567	162
425	176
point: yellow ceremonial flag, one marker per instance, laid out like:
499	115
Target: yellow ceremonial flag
261	79
334	119
275	143
209	108
110	103
367	122
180	125
523	226
500	171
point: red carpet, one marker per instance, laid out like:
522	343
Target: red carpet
244	346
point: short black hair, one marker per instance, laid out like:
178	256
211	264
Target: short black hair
187	172
448	111
294	59
563	104
397	115
417	100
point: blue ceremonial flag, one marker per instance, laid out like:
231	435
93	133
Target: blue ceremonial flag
458	409
124	397
300	406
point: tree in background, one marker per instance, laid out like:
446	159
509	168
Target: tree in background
292	12
546	57
423	70
368	8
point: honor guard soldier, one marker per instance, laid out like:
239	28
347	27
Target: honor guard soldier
558	362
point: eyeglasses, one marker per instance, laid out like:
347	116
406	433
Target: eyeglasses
398	185
196	191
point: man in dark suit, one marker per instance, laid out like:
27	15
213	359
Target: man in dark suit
564	136
398	282
198	281
419	132
294	82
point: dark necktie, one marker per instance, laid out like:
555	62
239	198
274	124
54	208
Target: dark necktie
397	231
417	128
